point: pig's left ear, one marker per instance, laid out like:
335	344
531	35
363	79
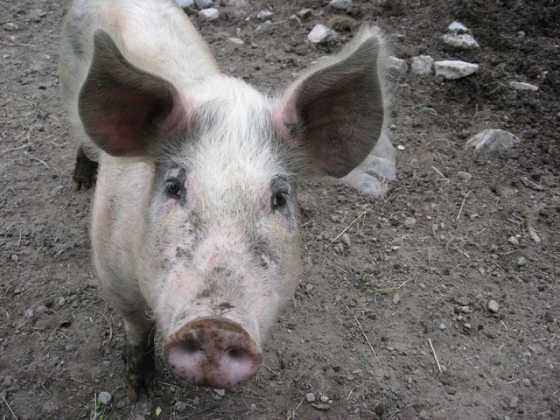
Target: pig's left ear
125	110
336	112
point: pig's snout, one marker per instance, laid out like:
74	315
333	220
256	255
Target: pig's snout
214	352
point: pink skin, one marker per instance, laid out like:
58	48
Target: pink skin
215	340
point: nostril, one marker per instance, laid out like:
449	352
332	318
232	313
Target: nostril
190	346
238	353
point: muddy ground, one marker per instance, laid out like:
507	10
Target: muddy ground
368	319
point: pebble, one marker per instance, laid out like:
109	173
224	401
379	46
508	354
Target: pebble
340	4
320	33
442	326
345	239
396	298
265	15
465	176
454	69
463	41
523	86
464	309
29	313
324	399
185	3
305	13
521	261
410	223
526	382
493	306
203	4
513	240
310	397
397	64
220	392
209	14
422	65
492	140
104	398
14	258
513	402
457	27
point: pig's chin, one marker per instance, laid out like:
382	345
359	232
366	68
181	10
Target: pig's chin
213	351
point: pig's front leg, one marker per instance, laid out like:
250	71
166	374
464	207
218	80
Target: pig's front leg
85	172
139	359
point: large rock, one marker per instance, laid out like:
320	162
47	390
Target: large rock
454	69
463	41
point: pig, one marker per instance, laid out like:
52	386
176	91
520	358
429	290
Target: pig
194	228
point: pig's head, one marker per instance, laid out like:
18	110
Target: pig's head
220	247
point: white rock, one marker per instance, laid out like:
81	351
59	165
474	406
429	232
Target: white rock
310	397
493	306
265	15
422	65
203	4
340	4
104	398
513	240
410	223
523	86
492	139
381	162
397	64
457	27
463	41
522	261
320	33
209	14
185	3
454	69
465	176
236	40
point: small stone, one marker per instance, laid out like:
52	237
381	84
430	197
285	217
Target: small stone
324	399
104	398
396	298
410	223
43	309
526	382
345	239
464	309
320	33
203	4
465	176
14	258
454	69
29	313
522	261
340	4
236	40
492	139
523	86
457	27
185	3
305	13
310	397
493	306
253	407
265	15
220	392
397	64
442	326
462	41
7	382
513	402
308	287
339	248
210	14
422	65
513	240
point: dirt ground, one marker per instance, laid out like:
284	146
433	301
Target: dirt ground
370	316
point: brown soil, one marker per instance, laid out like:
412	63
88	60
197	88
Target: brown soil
348	334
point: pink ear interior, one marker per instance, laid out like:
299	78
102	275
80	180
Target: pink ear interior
124	109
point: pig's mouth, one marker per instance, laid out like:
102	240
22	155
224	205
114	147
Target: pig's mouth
213	351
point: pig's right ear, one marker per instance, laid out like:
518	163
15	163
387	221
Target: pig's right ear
335	112
125	110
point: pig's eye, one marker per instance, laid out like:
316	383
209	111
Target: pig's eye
173	187
278	200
